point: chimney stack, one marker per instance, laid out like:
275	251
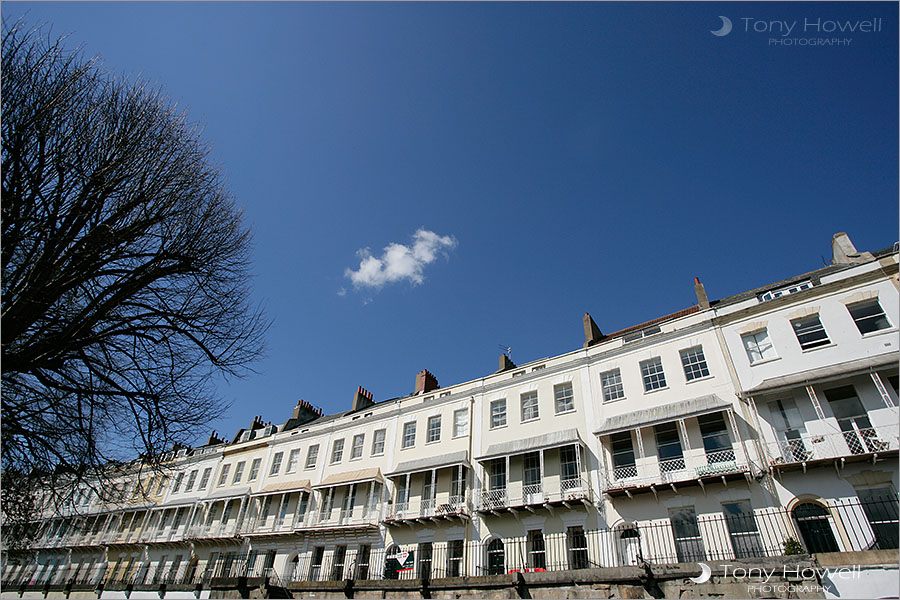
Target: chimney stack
425	382
257	423
214	439
305	412
506	363
845	253
700	290
362	399
592	333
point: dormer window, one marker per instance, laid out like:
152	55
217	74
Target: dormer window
784	291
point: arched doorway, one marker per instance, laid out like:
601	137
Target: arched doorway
496	559
814	525
293	569
391	563
629	545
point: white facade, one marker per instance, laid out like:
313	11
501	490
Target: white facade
722	430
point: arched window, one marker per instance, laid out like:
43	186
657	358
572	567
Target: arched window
495	558
815	528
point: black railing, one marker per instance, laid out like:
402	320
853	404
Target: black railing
808	527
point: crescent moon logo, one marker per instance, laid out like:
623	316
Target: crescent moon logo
726	27
706	571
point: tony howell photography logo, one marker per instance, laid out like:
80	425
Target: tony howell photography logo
808	31
780	580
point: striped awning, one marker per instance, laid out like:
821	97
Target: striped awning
283	487
533	444
439	461
349	477
663	414
822	374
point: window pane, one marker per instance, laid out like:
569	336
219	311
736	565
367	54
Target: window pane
498	413
868	316
529	406
565	399
611	384
694	363
652	372
810	332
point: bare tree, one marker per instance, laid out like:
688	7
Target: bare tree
125	270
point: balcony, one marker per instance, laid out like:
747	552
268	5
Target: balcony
429	509
696	466
858	444
213	530
564	492
358	516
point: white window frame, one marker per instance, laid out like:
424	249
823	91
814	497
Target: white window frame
759	342
276	464
293	460
564	397
337	451
433	432
358	445
378	438
460	427
312	456
409	435
882	314
653	374
223	476
531	398
254	469
611	385
694	364
204	479
810	324
498	413
238	472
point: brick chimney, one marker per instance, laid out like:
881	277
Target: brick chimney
425	382
257	423
362	399
845	253
592	333
305	412
702	300
214	439
506	363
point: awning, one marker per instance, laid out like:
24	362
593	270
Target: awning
821	374
663	414
532	444
432	462
349	477
286	486
232	493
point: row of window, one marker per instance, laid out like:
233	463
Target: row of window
693	362
868	316
433	430
563	397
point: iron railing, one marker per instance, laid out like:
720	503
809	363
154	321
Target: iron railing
836	525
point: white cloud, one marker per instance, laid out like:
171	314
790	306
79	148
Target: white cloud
399	262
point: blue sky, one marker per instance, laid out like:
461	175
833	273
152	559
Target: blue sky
554	158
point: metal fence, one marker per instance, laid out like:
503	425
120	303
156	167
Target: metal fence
841	525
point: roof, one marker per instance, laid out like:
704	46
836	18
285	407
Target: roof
432	462
662	414
820	374
346	477
532	444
